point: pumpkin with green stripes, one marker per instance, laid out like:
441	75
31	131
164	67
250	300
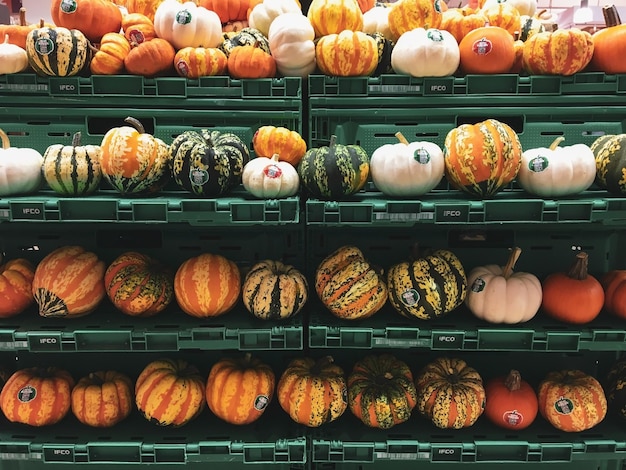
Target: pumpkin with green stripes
427	287
208	163
57	51
72	170
450	393
273	290
610	153
530	25
381	392
385	47
245	37
335	171
615	387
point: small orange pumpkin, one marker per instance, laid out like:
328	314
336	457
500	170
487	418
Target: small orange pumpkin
614	285
94	18
109	57
17	32
102	399
609	44
16	280
138	28
489	49
150	58
195	62
288	144
250	62
511	402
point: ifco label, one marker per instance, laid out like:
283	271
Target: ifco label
538	164
26	394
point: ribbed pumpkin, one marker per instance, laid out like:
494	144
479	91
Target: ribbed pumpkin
335	171
609	44
459	22
273	290
16	278
335	16
482	158
110	56
102	399
72	170
511	401
239	389
94	18
246	37
250	62
427	286
138	28
560	52
610	154
313	392
348	285
347	54
505	16
406	15
615	388
69	282
151	58
381	392
133	161
288	144
17	32
208	163
37	396
571	400
195	62
138	285
450	393
207	285
614	285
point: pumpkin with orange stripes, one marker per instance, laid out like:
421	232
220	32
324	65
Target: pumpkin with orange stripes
170	392
37	396
347	54
239	389
560	52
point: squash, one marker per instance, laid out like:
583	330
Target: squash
503	15
269	178
187	25
450	393
17	32
288	144
312	392
334	16
511	402
348	286
37	396
406	15
246	37
487	50
239	389
291	38
571	400
574	297
460	22
615	389
196	62
250	62
608	151
384	47
381	391
229	10
609	43
72	170
144	7
151	58
109	57
234	26
265	12
499	295
207	162
20	168
13	59
613	283
102	399
376	20
347	54
560	52
426	53
94	18
557	171
138	28
170	392
69	282
16	280
407	169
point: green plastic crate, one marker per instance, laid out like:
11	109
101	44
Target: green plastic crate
410	464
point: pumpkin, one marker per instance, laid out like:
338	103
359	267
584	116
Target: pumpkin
381	391
384	47
72	170
17	32
229	10
548	19
348	285
250	62
269	178
68	282
57	51
273	290
609	43
234	26
288	144
150	58
170	392
560	52
426	53
94	18
610	162
13	59
347	54
487	50
575	296
195	62
459	22
613	283
187	25
207	285
20	168
525	7
406	15
239	389
571	400
16	278
503	15
291	38
499	295
134	162
427	286
110	55
312	392
518	62
529	26
263	13
450	393
366	5
376	20
102	399
207	162
144	7
138	28
511	402
615	389
482	158
37	396
407	169
138	285
334	16
246	37
335	171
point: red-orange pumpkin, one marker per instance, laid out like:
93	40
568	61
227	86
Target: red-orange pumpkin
614	285
511	402
489	49
102	399
229	10
94	18
609	44
16	281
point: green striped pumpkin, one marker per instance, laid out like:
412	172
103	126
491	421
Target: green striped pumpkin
381	392
530	26
57	51
427	287
615	386
610	153
334	172
208	163
72	170
245	37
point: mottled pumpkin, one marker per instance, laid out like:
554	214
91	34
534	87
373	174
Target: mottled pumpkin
406	15
347	54
246	37
560	52
195	62
334	16
288	144
459	22
615	388
145	7
505	16
610	153
16	280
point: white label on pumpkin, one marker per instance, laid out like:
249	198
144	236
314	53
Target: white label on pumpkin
421	155
513	418
564	406
434	35
344	394
198	176
183	67
44	46
478	285
538	164
410	297
183	17
272	171
27	394
482	46
260	402
68	6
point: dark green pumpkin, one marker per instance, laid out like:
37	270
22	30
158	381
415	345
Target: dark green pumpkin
615	389
334	172
610	154
246	37
208	163
57	51
385	47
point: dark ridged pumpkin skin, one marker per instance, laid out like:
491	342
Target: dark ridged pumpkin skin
246	37
334	172
427	287
57	51
273	290
610	153
615	386
381	392
208	163
385	47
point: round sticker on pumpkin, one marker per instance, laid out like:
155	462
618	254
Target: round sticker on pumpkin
261	402
564	406
478	285
538	164
182	67
437	5
513	418
136	36
44	46
482	46
183	17
410	297
344	394
434	35
27	394
198	176
272	171
421	155
68	6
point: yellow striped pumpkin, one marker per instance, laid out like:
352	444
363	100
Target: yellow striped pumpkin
505	16
334	16
69	282
347	54
406	15
195	62
560	52
57	51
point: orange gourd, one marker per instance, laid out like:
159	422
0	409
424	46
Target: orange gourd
16	278
511	402
195	62
609	44
150	58
614	285
250	62
138	28
17	32
366	5
94	18
560	52
102	399
109	57
489	49
288	144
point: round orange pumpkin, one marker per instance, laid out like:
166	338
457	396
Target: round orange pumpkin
17	32
288	144
195	62
110	55
250	62
138	28
511	402
609	44
229	10
102	399
150	58
614	285
489	49
16	282
94	18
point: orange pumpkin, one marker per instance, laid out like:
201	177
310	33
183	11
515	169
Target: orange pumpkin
504	15
235	26
489	49
145	7
150	58
250	62
614	285
334	16
366	5
195	62
609	44
560	52
110	56
17	32
102	399
288	144
37	396
511	402
347	54
460	22
229	10
16	280
406	15
138	28
94	18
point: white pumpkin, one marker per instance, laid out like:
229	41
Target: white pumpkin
291	38
263	14
187	25
524	7
499	295
20	169
270	178
13	59
426	53
376	20
557	171
407	169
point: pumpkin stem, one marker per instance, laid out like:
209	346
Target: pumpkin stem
275	157
540	13
510	264
333	141
556	142
136	124
5	140
321	364
6	39
247	358
401	138
23	17
578	270
95	378
76	139
42	23
513	381
611	16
